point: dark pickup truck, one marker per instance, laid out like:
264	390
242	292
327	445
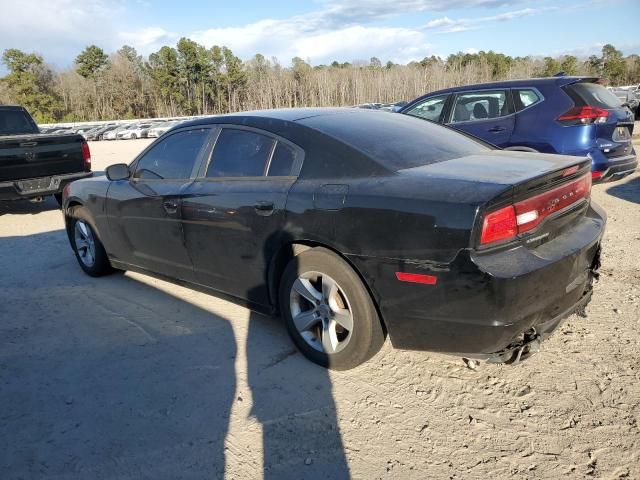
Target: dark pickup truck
34	164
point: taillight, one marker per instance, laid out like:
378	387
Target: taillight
499	225
507	222
596	175
585	115
86	156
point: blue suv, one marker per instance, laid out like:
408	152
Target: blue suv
564	115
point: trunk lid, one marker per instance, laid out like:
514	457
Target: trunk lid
541	194
40	155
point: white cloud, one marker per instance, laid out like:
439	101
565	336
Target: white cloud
448	25
58	29
286	39
148	39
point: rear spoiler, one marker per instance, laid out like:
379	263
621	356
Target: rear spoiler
562	80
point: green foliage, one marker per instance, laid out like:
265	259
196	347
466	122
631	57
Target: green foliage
613	66
551	67
569	65
189	78
30	83
90	61
375	63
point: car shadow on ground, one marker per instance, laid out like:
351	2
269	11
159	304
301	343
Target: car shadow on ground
26	207
629	190
115	378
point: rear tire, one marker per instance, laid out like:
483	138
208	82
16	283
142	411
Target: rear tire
86	244
328	311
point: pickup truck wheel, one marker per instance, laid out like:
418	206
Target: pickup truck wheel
134	136
328	311
86	244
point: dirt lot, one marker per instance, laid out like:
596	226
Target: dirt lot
131	377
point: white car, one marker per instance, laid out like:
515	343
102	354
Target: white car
113	134
161	129
133	132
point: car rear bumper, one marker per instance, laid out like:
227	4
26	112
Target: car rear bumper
37	187
485	305
615	169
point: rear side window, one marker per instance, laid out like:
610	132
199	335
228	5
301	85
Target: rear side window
592	94
283	161
240	153
15	122
173	157
523	98
481	105
429	109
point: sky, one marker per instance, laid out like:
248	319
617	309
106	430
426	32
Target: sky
321	31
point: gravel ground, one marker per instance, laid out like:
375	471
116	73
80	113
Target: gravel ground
131	377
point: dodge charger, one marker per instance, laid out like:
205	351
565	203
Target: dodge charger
353	225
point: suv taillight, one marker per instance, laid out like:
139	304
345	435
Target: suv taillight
507	222
86	156
585	115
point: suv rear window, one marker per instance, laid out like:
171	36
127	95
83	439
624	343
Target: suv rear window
592	94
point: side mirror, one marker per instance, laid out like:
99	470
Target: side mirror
119	171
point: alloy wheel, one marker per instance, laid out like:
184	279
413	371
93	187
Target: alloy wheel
85	243
321	312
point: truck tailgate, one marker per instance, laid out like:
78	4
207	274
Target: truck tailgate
39	155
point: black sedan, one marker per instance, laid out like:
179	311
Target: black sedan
353	224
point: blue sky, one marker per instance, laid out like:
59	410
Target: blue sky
323	30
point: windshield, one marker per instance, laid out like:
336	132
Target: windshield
16	122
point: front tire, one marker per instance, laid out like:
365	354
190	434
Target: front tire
328	311
87	246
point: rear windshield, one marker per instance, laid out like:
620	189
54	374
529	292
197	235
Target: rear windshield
16	122
396	141
593	95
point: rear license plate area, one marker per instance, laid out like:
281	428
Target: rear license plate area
35	185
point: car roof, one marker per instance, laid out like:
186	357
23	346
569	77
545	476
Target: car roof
527	82
282	114
371	140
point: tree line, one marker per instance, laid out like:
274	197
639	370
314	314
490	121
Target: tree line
190	79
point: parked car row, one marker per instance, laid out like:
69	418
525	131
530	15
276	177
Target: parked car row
118	130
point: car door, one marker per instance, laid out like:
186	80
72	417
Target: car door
144	212
234	212
487	114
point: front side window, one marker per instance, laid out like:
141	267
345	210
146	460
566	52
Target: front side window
477	106
240	153
524	98
429	109
172	157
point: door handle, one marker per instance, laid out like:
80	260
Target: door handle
497	129
170	207
264	208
